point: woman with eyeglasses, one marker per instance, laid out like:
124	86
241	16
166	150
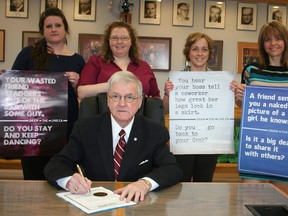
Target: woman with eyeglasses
119	52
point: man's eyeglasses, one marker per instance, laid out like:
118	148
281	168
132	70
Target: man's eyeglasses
127	98
116	38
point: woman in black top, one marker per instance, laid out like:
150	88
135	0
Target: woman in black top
51	54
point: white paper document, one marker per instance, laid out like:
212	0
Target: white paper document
100	199
201	113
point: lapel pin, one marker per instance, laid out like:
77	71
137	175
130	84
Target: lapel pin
135	138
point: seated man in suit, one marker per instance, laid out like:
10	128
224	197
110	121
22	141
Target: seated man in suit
147	161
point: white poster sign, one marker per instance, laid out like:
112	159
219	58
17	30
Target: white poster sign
201	113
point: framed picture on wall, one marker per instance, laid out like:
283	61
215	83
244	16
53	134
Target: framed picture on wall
183	12
215	12
89	44
215	62
18	9
276	12
150	11
30	37
85	10
46	4
156	51
247	16
2	45
247	53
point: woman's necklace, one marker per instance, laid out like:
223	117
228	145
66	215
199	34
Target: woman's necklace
59	50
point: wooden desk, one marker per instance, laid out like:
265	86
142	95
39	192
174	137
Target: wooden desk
225	199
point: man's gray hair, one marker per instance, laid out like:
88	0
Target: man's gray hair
127	77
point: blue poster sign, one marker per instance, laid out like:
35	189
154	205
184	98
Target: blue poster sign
263	146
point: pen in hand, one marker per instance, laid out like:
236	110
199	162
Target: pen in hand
81	173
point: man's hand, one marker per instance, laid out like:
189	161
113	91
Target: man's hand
138	190
78	185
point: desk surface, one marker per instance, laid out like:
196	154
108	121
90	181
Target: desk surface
225	199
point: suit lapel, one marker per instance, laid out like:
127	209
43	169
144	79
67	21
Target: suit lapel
105	142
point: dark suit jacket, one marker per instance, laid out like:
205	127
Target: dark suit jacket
90	145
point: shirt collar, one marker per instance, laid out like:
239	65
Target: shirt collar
116	128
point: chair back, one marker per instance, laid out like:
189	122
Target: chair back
151	108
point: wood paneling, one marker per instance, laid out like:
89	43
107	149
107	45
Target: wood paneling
10	164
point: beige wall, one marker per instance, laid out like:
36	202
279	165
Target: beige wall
230	36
